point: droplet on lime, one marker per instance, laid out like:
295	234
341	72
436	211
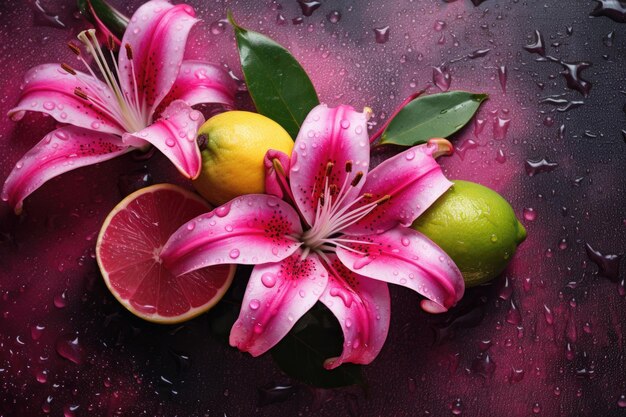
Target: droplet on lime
476	227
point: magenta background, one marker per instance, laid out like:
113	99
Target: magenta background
124	363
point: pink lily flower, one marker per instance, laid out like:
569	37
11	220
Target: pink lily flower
143	99
342	237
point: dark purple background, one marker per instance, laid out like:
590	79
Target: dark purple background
545	339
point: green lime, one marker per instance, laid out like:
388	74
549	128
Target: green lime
476	227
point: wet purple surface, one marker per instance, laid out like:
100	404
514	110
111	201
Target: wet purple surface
547	338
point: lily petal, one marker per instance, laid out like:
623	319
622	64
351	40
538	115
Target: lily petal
406	257
413	179
251	229
363	308
337	135
200	82
157	34
273	162
278	294
49	89
174	134
59	151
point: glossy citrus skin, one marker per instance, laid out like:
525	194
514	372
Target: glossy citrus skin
476	227
232	162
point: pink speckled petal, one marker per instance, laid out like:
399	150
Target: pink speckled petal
362	307
336	135
157	34
251	229
49	89
199	82
278	294
174	134
275	181
414	181
59	151
406	257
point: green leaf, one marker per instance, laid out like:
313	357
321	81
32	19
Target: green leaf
278	85
315	338
434	116
100	12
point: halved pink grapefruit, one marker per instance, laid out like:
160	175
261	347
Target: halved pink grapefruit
128	253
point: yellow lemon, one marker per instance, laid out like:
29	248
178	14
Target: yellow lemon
476	227
232	160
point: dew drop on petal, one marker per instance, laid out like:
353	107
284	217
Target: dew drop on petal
195	115
255	304
222	210
95	125
191	226
362	262
170	142
234	254
48	105
405	241
345	124
268	279
410	155
348	323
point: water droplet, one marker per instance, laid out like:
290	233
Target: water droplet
308	7
534	167
410	155
536	408
502	77
572	73
405	241
60	300
195	115
548	315
442	78
362	262
222	211
255	304
218	27
530	214
234	254
191	226
513	316
36	331
439	25
456	407
268	279
334	16
613	9
42	377
608	264
537	45
228	228
500	128
500	156
302	293
479	53
170	142
95	125
69	348
381	34
48	105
